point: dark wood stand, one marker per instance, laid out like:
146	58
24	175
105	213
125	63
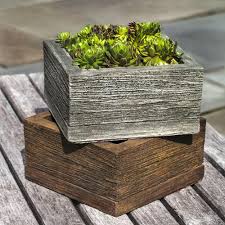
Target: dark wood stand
114	177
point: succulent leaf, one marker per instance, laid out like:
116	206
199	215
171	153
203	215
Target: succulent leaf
63	38
149	28
122	33
85	32
93	57
120	54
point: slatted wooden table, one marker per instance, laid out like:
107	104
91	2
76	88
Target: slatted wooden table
23	202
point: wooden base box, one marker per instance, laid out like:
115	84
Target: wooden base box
114	177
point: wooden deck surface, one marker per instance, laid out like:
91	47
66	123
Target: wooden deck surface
23	202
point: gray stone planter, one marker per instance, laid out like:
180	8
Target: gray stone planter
121	103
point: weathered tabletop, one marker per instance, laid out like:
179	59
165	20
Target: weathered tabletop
23	202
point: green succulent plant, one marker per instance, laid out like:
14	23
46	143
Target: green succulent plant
122	33
138	44
119	54
93	57
85	32
63	38
95	40
149	28
104	31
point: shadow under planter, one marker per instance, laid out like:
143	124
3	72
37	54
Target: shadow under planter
113	177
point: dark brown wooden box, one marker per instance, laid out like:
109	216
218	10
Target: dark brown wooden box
115	177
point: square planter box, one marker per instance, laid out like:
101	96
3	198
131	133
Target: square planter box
115	177
121	103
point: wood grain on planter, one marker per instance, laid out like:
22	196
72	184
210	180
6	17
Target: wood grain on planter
121	103
102	175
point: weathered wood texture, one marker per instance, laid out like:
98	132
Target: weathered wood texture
212	188
192	208
52	207
186	202
215	146
95	217
12	86
154	213
14	209
121	103
37	79
101	174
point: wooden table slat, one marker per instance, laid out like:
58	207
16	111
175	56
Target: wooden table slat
213	188
154	213
96	217
22	94
53	208
14	208
215	146
33	104
38	80
192	208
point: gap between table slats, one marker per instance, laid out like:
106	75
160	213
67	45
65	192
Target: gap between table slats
14	208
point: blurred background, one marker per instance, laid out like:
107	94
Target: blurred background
197	25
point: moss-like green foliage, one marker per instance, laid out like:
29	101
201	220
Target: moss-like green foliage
138	44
